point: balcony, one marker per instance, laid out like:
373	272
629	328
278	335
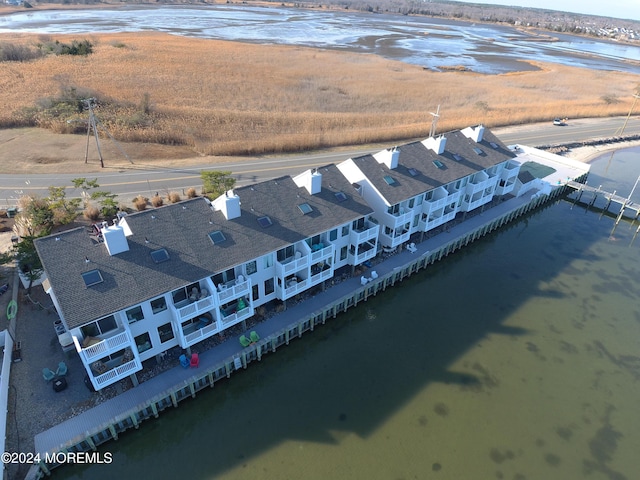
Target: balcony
321	252
198	333
359	236
404	215
366	251
293	286
232	290
117	373
292	265
189	308
236	312
98	348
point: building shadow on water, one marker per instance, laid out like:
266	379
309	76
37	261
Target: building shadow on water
354	373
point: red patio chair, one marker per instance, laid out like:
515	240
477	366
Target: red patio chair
195	360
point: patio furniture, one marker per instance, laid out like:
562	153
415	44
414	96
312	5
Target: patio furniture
195	360
184	361
59	384
244	341
254	336
48	374
62	369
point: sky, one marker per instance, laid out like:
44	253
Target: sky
629	9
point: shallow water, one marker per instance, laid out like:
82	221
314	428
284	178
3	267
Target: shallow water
516	358
431	43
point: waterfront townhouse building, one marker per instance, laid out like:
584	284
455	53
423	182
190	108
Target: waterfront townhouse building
419	186
176	275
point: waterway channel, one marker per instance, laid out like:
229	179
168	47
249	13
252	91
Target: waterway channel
514	358
429	42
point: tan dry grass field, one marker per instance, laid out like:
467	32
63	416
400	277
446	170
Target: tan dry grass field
225	98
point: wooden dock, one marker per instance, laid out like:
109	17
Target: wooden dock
625	203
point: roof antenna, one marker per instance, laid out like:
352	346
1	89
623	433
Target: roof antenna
434	121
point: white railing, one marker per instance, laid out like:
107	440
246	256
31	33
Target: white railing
104	347
234	291
295	288
199	306
400	219
362	257
360	237
295	265
238	316
322	254
200	334
117	373
324	275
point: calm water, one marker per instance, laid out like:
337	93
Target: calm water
516	358
431	43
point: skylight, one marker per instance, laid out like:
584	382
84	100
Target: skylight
389	179
305	208
478	150
438	164
493	145
457	157
413	172
217	237
92	277
341	196
160	255
264	222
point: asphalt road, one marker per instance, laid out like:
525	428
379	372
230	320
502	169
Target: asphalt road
127	183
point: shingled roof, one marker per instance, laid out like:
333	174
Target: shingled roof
417	173
183	229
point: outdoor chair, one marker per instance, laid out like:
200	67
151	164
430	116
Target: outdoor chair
184	361
254	336
195	360
62	369
244	341
48	374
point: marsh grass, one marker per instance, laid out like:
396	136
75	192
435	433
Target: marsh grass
227	98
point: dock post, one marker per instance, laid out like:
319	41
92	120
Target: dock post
43	466
154	409
90	441
113	432
192	389
174	399
134	419
211	380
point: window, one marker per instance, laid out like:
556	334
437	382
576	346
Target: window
179	295
102	326
413	172
343	253
358	225
217	237
493	145
158	305
394	209
92	277
269	287
251	267
143	342
420	199
224	277
457	157
255	293
268	260
478	151
305	208
345	230
135	314
341	196
415	220
264	222
428	195
412	202
438	164
389	179
333	234
160	255
165	332
286	253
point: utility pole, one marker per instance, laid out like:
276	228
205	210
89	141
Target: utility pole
91	124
